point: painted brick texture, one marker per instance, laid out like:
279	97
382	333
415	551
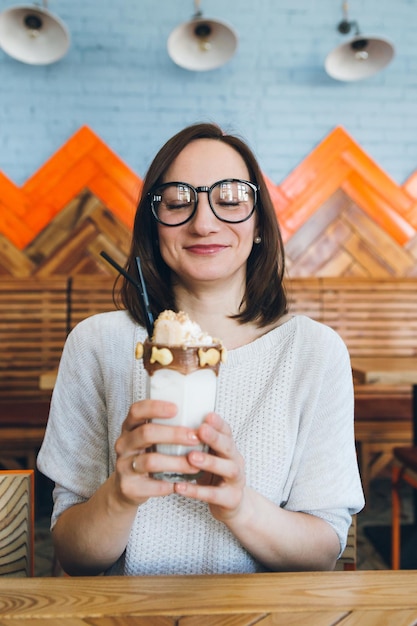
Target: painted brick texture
118	79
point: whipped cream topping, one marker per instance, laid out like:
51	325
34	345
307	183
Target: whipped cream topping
177	329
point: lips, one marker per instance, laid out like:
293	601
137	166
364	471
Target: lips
206	249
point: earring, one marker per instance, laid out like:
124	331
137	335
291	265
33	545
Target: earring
257	239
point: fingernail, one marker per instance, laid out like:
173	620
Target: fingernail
193	437
197	458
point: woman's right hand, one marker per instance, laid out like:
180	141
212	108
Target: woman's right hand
91	536
136	462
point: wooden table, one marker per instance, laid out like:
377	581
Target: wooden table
401	370
320	598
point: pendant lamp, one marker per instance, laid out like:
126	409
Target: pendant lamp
32	34
359	57
201	44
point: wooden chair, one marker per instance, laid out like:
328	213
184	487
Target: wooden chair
404	470
22	428
383	421
347	561
17	523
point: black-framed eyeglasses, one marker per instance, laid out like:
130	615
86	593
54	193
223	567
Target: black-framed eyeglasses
232	200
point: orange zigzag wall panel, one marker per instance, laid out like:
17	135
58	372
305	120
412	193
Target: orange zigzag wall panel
86	162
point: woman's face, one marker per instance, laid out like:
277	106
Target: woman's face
206	249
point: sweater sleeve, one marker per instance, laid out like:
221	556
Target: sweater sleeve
86	413
324	480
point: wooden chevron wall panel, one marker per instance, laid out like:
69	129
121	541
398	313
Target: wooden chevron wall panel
340	214
341	239
71	243
83	162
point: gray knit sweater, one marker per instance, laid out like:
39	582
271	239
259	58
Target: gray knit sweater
288	398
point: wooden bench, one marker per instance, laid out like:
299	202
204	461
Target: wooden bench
33	327
35	318
90	295
376	318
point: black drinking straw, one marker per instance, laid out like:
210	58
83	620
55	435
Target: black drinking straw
145	299
140	286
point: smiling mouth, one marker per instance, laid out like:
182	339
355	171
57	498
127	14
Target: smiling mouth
206	249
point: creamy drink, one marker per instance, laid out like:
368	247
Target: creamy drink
183	364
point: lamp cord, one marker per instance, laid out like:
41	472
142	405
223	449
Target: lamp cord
197	7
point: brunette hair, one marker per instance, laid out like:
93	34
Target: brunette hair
264	300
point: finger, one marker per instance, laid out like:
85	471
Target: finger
218	423
137	487
144	410
152	433
227	469
220	441
225	497
156	463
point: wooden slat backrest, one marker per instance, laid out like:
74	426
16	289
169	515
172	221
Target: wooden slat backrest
305	295
375	317
33	320
90	295
17	523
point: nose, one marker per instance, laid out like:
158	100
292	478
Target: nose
204	221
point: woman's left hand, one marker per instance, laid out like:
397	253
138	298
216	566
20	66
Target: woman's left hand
223	483
279	539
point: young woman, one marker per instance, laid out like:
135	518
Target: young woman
280	478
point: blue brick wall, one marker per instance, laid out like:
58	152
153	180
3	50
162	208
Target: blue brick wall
118	79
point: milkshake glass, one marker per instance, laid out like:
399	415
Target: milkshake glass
182	368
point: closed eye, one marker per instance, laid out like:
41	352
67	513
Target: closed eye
228	203
177	206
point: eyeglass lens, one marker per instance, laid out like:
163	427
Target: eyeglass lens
230	200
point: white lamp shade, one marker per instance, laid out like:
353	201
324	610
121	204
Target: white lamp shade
44	44
196	52
350	63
